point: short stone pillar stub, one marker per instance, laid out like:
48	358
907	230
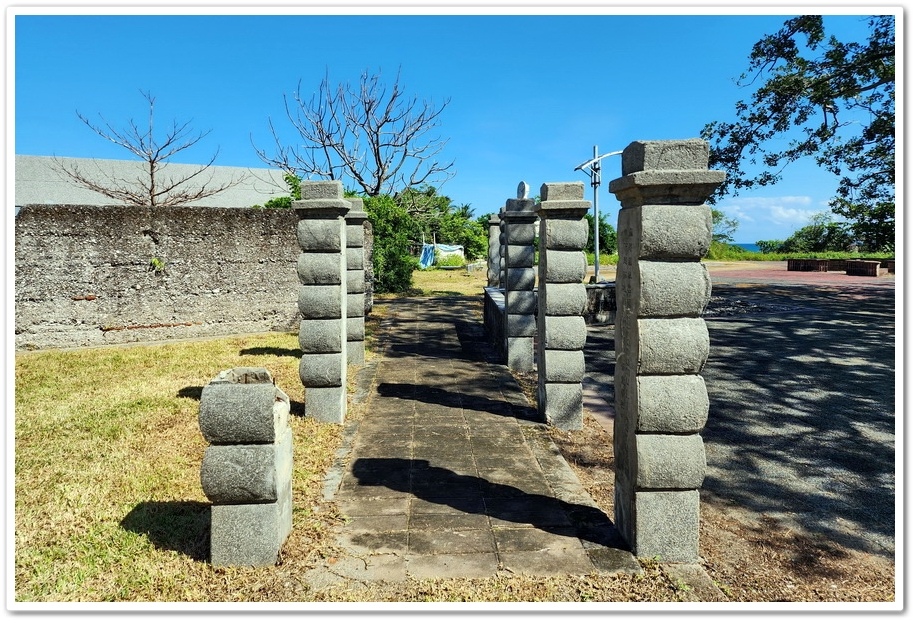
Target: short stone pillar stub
246	471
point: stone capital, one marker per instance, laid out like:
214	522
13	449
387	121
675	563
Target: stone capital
322	189
356	217
321	208
519	205
687	187
523	217
563	208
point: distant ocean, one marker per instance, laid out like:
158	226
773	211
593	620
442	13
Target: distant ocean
748	246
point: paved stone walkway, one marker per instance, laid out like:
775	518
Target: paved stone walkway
449	475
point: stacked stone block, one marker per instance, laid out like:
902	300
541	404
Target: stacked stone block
356	284
502	252
662	343
494	253
247	469
561	300
521	299
322	268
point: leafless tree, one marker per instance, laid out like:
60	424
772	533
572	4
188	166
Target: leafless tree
152	187
372	136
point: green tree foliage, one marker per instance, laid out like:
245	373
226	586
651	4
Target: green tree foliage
769	246
872	225
436	217
822	234
607	235
723	228
391	260
286	202
823	98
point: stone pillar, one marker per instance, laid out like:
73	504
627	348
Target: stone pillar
493	253
662	343
247	471
368	251
502	252
322	299
356	284
561	303
521	299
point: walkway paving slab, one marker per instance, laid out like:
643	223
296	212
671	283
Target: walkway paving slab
447	474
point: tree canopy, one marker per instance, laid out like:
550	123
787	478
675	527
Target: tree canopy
823	98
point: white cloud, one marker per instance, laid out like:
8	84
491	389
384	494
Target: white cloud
770	217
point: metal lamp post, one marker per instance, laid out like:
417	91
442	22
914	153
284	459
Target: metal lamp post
594	171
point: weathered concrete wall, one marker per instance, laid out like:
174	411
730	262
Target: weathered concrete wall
85	275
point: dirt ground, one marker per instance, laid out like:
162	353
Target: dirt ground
749	560
750	557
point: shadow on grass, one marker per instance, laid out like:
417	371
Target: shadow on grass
192	391
272	350
296	407
178	526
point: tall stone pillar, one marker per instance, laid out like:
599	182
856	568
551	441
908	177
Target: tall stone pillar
356	284
493	253
322	268
521	299
561	303
662	343
502	252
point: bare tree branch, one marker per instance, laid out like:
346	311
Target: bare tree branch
152	188
368	134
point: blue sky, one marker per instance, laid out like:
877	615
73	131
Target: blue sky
530	95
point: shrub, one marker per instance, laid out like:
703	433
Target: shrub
391	259
449	260
607	235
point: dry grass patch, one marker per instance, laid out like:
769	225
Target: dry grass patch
109	505
438	282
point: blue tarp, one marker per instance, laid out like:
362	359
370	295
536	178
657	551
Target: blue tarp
428	254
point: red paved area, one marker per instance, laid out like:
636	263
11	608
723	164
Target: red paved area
777	272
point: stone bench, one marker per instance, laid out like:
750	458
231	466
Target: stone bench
865	268
247	469
818	266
